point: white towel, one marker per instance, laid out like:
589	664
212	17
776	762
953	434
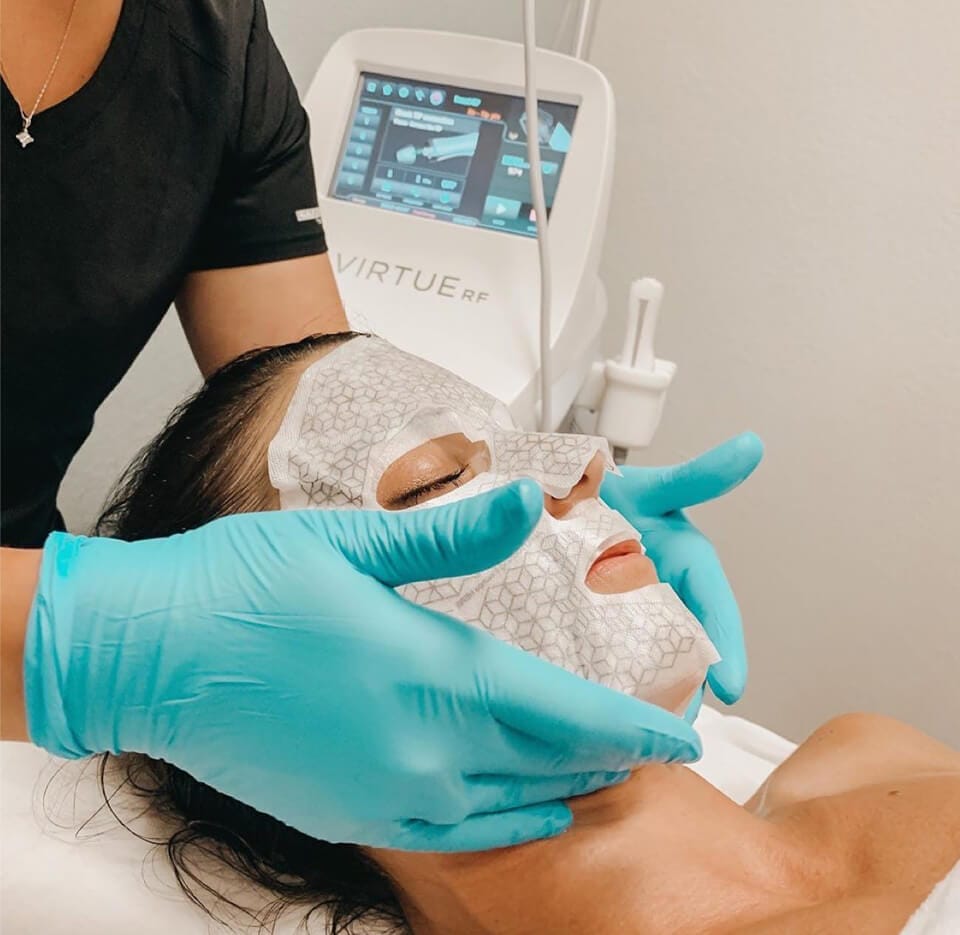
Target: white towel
738	755
940	912
104	881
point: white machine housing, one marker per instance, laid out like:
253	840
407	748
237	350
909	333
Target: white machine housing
480	315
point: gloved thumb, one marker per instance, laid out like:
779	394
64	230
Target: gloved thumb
443	542
703	478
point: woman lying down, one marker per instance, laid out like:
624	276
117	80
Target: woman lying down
850	834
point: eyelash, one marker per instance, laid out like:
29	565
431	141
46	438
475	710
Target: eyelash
414	496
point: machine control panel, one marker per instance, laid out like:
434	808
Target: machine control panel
448	153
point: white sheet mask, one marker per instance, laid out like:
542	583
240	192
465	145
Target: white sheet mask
366	403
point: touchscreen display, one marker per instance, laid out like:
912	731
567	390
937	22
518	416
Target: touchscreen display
450	153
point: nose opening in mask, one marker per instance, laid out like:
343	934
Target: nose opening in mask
587	487
556	462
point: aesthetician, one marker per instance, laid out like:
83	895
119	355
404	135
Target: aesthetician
155	151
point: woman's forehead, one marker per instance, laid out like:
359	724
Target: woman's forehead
369	385
348	407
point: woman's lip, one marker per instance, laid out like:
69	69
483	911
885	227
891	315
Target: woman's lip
627	547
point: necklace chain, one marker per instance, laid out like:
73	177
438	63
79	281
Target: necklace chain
24	137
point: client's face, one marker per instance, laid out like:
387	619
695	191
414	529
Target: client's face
372	427
441	465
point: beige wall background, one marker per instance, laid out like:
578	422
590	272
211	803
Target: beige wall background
792	173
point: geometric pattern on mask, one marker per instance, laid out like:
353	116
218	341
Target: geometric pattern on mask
355	402
643	643
352	400
556	461
641	647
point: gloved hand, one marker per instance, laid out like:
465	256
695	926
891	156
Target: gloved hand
653	500
268	656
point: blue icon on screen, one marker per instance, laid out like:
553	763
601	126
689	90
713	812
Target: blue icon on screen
404	92
420	94
560	139
372	87
437	97
387	89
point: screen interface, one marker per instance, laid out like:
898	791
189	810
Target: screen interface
450	153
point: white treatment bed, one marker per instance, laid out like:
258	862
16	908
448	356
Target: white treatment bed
59	879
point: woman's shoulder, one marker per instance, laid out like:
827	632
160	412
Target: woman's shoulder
851	751
882	799
216	30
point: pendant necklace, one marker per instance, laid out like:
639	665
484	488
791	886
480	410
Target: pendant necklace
23	137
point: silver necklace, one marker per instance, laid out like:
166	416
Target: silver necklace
24	137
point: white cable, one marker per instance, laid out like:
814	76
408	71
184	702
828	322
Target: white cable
540	208
583	30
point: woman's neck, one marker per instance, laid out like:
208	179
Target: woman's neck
663	853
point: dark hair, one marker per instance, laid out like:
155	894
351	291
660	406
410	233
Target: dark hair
210	461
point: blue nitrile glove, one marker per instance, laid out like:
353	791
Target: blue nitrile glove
268	656
653	500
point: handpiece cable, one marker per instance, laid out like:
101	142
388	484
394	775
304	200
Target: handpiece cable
540	209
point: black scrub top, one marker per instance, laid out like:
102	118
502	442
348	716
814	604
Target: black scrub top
187	150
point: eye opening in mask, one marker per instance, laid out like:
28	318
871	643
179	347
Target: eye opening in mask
431	469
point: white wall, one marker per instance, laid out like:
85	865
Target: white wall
305	30
790	170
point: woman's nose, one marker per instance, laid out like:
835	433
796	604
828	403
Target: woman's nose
587	488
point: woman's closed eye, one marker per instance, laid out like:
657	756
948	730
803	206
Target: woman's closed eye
427	491
430	470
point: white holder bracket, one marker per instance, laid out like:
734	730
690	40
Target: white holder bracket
628	393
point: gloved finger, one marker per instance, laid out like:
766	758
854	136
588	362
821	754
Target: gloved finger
706	477
522	756
501	793
576	717
485	832
696	703
705	590
444	542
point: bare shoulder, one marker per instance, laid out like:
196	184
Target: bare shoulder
859	726
851	751
882	799
876	748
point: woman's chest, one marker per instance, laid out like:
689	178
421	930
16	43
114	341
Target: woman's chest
902	835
